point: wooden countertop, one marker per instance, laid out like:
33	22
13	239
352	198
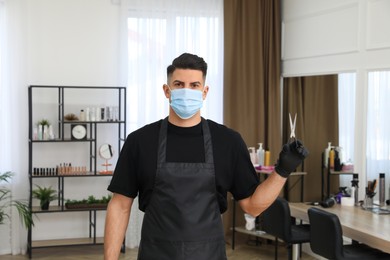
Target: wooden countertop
358	224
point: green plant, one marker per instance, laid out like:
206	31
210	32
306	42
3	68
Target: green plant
91	200
6	201
106	199
45	195
44	122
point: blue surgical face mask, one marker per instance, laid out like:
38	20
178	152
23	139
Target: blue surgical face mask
186	102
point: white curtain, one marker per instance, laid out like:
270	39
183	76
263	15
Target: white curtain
4	95
157	31
13	107
160	30
346	104
378	126
346	92
5	166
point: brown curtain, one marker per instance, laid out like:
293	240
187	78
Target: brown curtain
314	99
252	96
252	71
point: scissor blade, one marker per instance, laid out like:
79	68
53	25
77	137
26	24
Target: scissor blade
292	125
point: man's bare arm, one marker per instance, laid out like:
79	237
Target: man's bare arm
117	219
264	195
291	156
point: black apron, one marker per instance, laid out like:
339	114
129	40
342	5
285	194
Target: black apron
182	220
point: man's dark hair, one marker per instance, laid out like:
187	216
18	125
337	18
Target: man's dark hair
188	61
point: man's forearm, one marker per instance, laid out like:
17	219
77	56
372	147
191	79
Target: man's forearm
291	156
117	219
264	195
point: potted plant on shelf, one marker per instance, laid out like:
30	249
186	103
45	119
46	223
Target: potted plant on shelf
45	195
6	201
91	202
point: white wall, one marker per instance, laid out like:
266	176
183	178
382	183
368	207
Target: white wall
322	37
73	42
61	42
332	36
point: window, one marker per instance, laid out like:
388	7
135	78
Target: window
157	32
378	125
346	93
5	146
156	35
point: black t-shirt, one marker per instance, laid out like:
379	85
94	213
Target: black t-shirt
137	163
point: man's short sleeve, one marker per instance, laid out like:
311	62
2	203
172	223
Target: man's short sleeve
124	179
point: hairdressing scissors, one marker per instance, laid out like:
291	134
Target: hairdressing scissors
298	144
292	126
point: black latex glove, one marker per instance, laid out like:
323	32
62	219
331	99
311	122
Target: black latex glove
291	156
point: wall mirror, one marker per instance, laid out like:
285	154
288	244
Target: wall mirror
106	152
325	105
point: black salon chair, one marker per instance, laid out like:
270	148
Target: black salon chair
277	221
326	239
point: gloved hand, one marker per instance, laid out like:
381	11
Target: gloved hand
291	156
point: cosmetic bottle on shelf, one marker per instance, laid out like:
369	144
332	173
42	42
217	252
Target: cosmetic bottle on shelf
382	189
260	155
355	185
326	154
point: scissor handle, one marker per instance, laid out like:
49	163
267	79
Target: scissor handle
299	148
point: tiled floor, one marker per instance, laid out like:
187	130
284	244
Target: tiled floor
245	249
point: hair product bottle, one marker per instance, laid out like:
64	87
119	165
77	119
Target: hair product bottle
326	154
252	154
87	114
355	185
82	115
382	189
267	158
331	158
40	132
260	155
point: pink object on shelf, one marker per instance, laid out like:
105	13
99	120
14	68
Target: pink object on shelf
265	168
347	168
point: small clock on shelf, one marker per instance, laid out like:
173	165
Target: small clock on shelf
78	131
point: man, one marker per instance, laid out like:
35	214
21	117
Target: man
182	168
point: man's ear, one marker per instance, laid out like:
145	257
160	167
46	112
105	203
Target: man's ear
167	91
205	91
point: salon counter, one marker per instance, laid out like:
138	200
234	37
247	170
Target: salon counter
358	224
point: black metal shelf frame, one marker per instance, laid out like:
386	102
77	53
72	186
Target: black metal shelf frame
91	140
